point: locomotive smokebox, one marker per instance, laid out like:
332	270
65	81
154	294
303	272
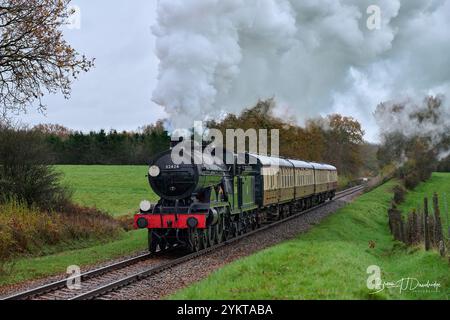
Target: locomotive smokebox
173	181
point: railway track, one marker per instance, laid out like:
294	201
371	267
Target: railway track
104	280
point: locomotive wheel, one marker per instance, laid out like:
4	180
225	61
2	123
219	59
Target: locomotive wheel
241	228
203	234
244	227
170	242
152	242
219	232
253	222
194	240
212	235
163	244
235	231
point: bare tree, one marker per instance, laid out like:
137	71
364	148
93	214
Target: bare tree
34	57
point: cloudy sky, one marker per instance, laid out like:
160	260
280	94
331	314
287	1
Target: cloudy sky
205	58
117	92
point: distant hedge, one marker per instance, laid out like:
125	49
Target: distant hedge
104	148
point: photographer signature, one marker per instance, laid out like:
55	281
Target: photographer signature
408	284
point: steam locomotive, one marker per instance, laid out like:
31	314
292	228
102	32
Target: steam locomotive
204	204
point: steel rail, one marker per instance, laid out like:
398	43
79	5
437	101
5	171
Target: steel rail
60	284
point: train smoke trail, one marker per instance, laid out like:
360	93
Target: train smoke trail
428	119
315	57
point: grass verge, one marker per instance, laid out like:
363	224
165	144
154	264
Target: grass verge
331	261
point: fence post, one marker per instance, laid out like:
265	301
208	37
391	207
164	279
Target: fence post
438	225
446	213
425	224
402	228
414	229
420	228
396	223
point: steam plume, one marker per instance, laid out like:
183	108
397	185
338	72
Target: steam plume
315	57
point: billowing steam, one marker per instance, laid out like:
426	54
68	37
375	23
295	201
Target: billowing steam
315	57
429	119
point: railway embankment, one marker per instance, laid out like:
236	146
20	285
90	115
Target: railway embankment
341	258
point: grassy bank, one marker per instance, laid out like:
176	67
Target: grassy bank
94	252
330	261
440	183
28	231
115	189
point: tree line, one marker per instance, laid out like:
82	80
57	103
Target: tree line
104	148
336	140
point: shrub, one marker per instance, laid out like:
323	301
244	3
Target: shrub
25	175
25	230
127	222
411	180
399	194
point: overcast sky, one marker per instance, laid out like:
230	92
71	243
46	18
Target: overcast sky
117	92
315	57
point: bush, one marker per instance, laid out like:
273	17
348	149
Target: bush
25	230
25	175
399	194
343	182
126	222
411	180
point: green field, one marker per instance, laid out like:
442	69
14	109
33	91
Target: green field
115	189
331	261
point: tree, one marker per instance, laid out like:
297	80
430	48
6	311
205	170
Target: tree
344	138
34	57
53	129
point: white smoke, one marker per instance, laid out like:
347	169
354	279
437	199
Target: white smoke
428	119
315	57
